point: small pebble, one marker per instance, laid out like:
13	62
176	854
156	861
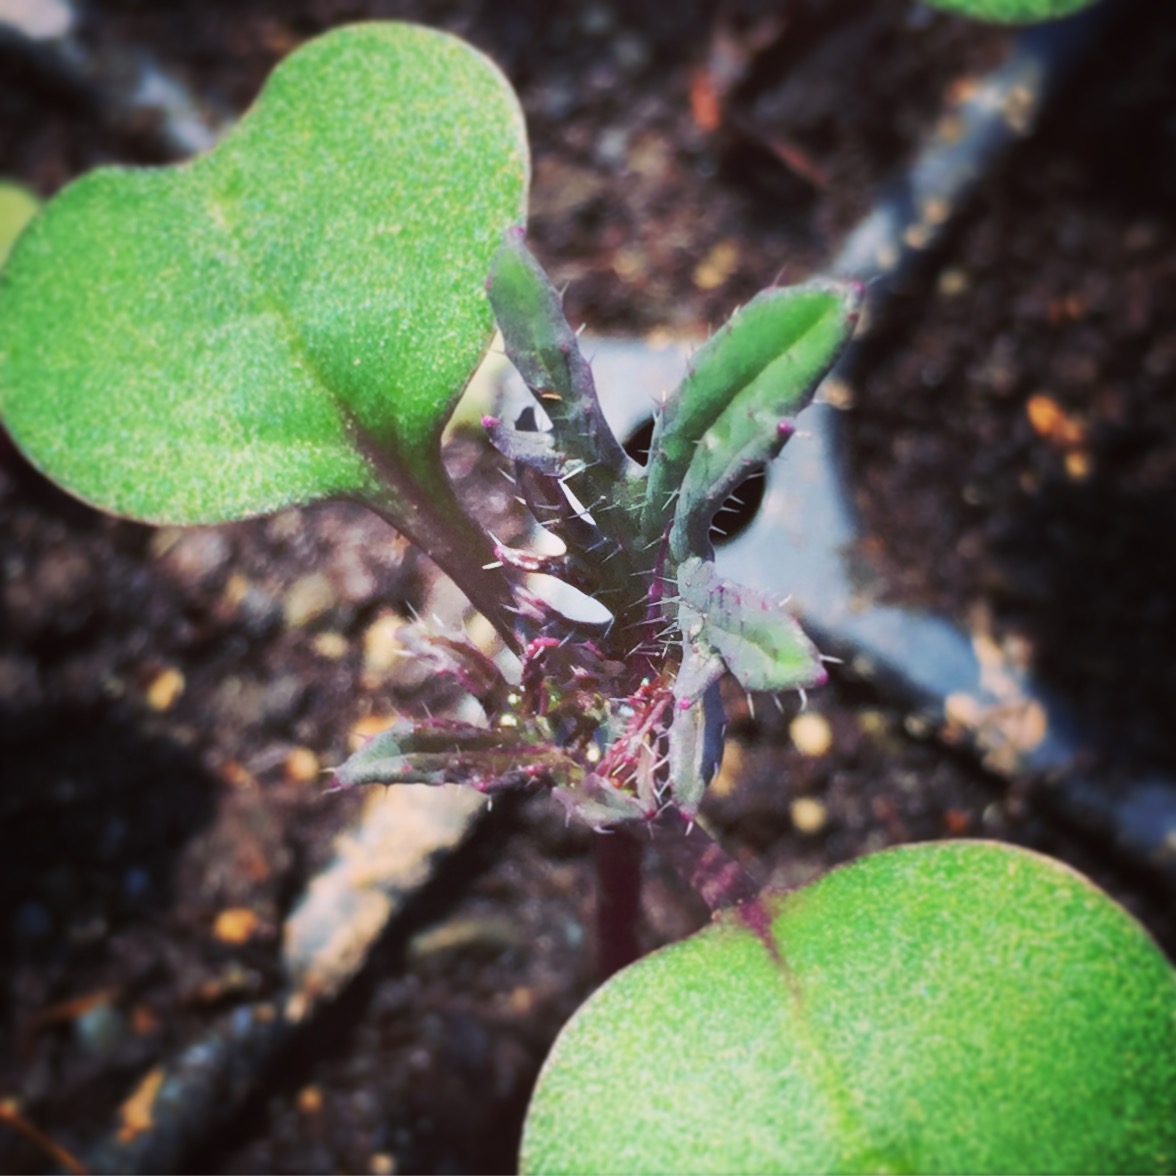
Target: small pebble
1078	465
719	264
808	816
811	734
137	1113
308	598
1053	423
165	689
382	647
302	765
522	1000
953	282
235	926
331	645
310	1100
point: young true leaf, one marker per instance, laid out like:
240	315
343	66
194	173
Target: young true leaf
290	317
762	366
491	759
599	804
758	640
695	744
955	1007
544	349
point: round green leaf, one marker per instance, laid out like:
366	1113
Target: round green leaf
290	317
950	1007
1012	11
18	206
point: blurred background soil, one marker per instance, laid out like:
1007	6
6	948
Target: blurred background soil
168	699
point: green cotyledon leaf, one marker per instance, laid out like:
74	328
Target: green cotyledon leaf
290	317
1012	11
18	206
951	1007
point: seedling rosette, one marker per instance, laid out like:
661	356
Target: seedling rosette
637	538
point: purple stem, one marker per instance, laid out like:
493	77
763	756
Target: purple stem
618	900
701	862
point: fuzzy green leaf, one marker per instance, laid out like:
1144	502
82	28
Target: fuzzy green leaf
1012	11
290	317
763	365
18	206
956	1007
759	641
491	759
544	348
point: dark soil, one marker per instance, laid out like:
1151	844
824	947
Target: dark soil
167	698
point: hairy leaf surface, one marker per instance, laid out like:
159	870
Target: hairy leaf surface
953	1007
287	318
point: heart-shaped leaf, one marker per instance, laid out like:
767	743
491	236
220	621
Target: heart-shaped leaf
290	317
956	1007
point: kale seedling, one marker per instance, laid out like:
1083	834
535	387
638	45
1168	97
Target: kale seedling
293	317
614	716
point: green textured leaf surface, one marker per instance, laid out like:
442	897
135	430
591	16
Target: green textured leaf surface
766	359
1012	11
263	325
759	641
18	206
961	1007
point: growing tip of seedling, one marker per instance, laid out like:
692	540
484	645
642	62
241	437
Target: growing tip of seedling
490	422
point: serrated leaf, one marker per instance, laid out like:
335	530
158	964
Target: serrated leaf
544	348
438	751
764	363
956	1007
759	641
290	317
